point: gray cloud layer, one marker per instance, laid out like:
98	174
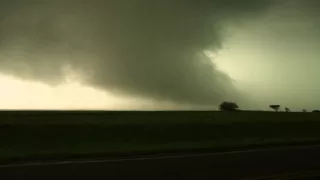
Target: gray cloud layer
136	47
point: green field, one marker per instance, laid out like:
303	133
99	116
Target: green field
59	135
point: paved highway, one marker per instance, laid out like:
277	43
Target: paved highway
275	163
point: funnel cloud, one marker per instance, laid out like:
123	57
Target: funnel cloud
142	48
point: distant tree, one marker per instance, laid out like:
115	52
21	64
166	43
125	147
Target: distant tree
287	109
228	106
304	110
316	111
275	107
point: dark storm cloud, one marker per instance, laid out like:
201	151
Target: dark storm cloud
136	47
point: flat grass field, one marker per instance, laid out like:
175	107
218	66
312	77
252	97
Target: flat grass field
52	135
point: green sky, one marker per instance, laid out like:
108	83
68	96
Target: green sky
276	58
262	52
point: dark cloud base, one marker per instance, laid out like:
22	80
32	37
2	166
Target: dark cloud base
135	47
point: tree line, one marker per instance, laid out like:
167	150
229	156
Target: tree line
231	106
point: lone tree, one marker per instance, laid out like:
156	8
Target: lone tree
275	107
287	109
228	106
304	110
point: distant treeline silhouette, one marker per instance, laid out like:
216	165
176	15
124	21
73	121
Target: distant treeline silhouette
275	107
228	106
232	106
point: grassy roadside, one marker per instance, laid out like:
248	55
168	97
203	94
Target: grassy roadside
42	136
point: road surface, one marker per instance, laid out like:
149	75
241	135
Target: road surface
303	162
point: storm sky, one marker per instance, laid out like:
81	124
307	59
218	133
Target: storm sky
172	53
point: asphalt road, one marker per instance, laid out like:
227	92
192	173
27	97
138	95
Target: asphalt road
276	163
